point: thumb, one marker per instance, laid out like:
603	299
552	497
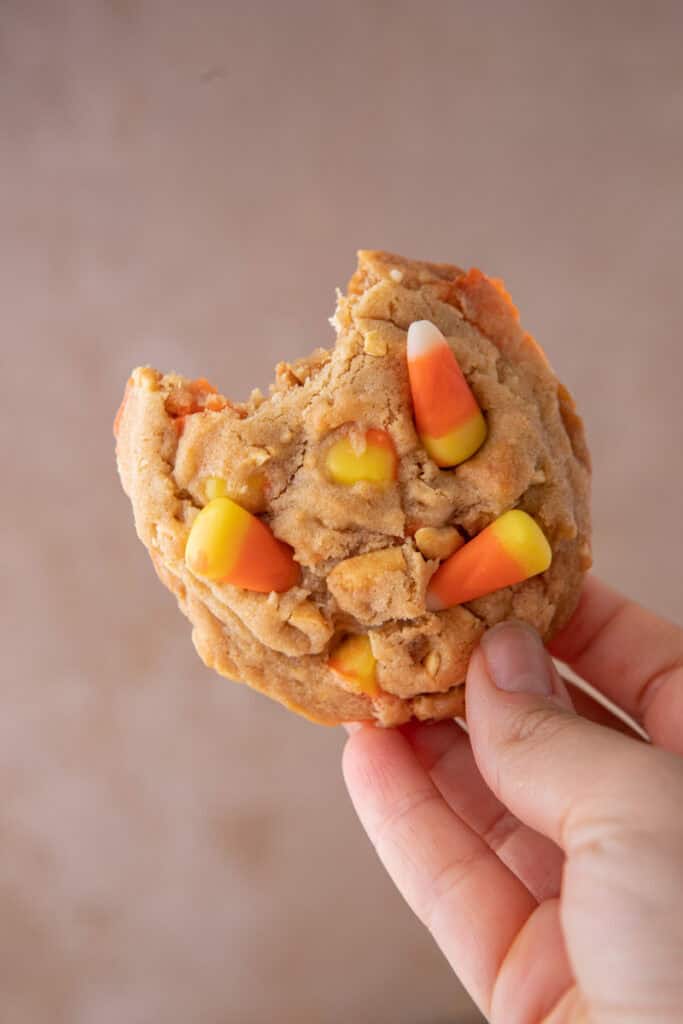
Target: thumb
544	762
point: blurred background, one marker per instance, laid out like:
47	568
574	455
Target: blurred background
185	185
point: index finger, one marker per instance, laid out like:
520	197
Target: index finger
631	655
473	905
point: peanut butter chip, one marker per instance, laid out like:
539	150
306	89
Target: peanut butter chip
147	378
374	344
258	455
432	663
309	620
438	541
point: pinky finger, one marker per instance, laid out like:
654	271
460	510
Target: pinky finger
586	705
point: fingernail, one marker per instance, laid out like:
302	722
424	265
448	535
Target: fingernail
352	727
517	659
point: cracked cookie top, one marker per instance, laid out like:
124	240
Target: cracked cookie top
331	467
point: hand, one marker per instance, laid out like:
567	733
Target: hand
545	852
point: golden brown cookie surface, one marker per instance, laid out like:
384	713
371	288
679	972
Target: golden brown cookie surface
366	550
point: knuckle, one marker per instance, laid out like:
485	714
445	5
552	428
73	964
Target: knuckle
503	826
400	815
592	836
640	797
656	685
443	898
536	729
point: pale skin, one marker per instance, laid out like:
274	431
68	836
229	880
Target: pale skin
544	852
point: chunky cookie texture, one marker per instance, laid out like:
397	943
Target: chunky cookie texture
326	491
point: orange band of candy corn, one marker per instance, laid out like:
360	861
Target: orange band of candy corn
448	418
510	550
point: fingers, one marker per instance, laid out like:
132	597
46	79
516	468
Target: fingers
634	657
472	904
556	771
588	707
443	749
536	973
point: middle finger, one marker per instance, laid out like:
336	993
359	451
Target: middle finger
444	751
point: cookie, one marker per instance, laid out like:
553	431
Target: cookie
342	544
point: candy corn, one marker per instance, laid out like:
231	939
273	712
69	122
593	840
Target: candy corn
229	545
510	550
353	659
376	462
448	419
215	487
250	493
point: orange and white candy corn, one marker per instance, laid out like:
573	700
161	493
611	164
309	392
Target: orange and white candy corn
448	419
510	550
374	460
353	659
227	544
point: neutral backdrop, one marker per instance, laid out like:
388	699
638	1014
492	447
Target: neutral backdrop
185	184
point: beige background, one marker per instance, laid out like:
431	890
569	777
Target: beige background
185	184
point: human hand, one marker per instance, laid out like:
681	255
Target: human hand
545	852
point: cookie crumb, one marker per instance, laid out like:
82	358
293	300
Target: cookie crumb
258	456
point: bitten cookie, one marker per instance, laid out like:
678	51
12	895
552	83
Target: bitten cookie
342	544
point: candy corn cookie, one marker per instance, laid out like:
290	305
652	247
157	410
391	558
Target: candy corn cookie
342	544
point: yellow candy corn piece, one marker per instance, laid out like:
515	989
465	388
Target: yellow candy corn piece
227	544
215	487
376	463
353	659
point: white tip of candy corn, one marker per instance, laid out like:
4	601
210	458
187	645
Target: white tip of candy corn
423	336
